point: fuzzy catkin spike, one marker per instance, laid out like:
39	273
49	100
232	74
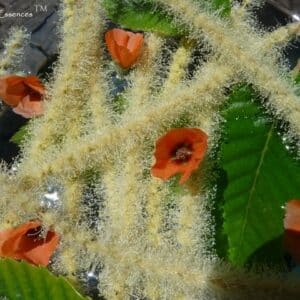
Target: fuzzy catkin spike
139	92
258	68
230	284
68	12
177	69
131	192
98	112
186	218
13	50
72	197
124	203
155	193
147	122
67	98
281	36
150	240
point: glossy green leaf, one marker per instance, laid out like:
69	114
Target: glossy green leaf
150	16
20	280
20	135
141	15
261	176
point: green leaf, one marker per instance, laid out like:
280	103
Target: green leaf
262	175
119	104
297	79
141	15
20	135
20	280
223	5
146	15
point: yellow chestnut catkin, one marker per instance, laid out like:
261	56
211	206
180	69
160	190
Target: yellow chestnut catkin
150	239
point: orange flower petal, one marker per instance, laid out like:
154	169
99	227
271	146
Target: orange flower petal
120	36
292	229
34	83
12	89
112	45
167	164
28	108
165	170
12	237
135	43
170	169
19	244
40	255
292	215
4	235
124	46
126	58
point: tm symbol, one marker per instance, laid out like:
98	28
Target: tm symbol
39	8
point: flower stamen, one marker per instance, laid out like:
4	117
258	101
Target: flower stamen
34	232
182	154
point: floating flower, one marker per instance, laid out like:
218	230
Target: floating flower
27	242
124	46
292	229
179	151
23	93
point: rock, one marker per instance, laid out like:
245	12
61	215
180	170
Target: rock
34	60
41	19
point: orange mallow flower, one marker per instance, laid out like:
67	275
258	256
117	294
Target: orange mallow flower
179	151
292	229
24	94
124	46
26	242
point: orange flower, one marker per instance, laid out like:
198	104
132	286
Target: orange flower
29	109
179	151
124	46
23	93
25	242
292	229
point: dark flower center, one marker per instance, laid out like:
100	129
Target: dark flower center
34	95
182	153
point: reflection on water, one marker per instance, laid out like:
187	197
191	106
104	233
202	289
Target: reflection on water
289	7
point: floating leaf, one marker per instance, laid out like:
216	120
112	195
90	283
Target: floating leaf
262	176
20	280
